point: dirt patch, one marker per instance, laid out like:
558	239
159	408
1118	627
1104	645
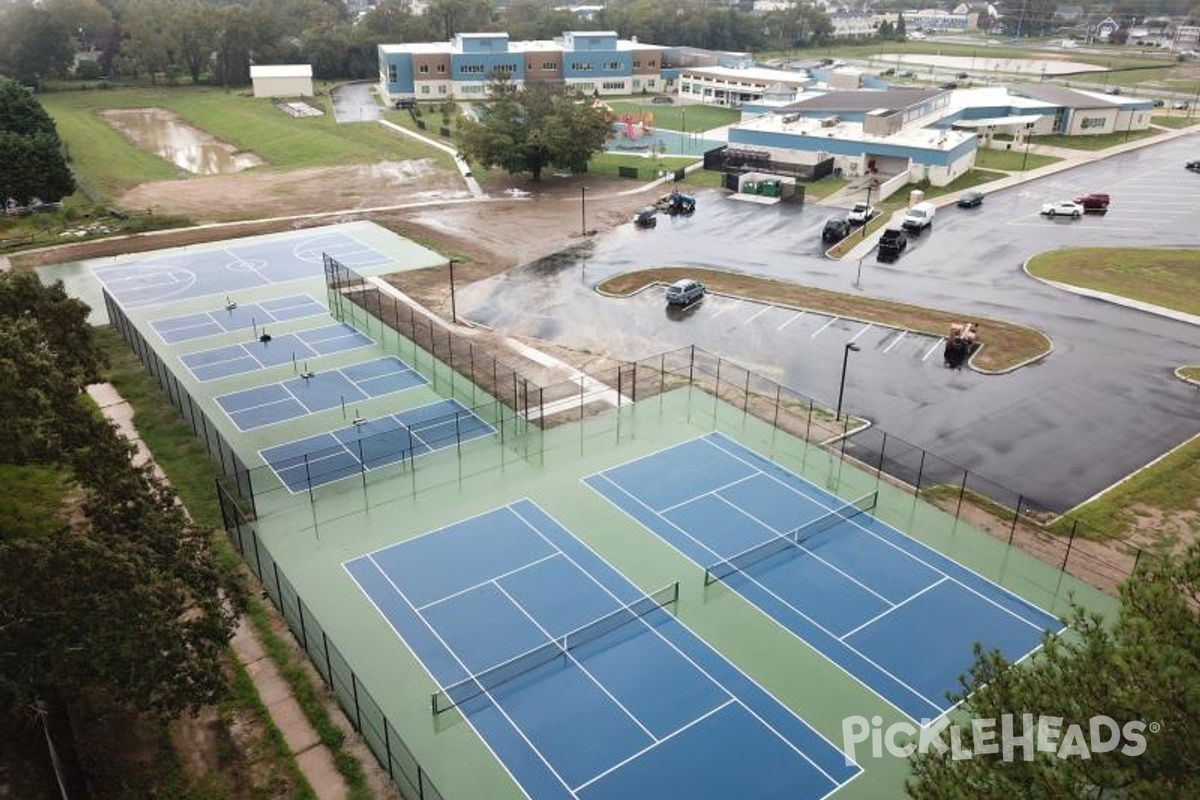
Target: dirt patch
261	194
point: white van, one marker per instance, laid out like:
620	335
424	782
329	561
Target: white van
919	217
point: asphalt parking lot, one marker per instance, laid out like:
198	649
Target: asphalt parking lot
1102	404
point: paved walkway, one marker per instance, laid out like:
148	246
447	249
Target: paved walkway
312	757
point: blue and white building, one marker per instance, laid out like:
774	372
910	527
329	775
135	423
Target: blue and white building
594	61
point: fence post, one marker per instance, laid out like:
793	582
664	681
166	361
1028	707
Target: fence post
882	450
692	367
775	419
278	586
746	396
620	384
387	748
308	480
303	627
1016	516
357	710
1070	541
920	469
541	408
633	390
808	427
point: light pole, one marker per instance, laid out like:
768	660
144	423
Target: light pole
870	186
583	209
453	310
850	346
1024	158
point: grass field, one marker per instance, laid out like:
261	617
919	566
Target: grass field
1010	160
1167	278
1175	122
1118	59
1100	141
111	164
1191	373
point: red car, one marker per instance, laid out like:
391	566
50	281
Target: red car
1096	201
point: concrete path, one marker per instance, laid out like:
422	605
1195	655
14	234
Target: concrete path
463	167
312	757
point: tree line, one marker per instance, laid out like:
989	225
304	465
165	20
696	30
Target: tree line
31	159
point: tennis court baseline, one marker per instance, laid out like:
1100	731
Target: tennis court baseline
328	457
297	397
186	327
285	348
896	615
642	709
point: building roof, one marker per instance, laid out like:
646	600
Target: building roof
940	139
1062	96
768	77
281	71
864	100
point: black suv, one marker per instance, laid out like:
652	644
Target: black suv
891	245
836	230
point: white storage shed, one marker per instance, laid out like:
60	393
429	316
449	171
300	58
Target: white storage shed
282	80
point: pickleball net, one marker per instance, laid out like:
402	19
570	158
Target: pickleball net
791	540
483	682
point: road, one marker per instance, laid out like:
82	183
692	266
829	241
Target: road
1103	404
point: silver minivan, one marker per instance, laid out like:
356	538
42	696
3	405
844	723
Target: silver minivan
684	292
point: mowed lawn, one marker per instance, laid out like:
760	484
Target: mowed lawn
111	164
1167	278
678	116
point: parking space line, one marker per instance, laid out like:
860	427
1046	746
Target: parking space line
758	314
933	349
823	327
894	342
797	316
868	327
719	312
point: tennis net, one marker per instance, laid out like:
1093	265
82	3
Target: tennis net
787	541
483	682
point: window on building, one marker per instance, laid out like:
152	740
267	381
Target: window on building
651	63
425	88
423	69
637	84
441	88
529	66
471	89
471	69
581	66
613	86
441	68
637	63
612	66
508	69
550	66
391	73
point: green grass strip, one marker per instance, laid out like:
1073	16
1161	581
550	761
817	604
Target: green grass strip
1161	277
193	475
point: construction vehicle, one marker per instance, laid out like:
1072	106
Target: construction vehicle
676	203
960	344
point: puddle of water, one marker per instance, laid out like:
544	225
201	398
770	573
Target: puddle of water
164	134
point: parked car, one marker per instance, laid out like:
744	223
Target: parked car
646	218
888	72
861	213
919	217
1096	201
1159	103
970	199
908	73
949	85
1179	106
1194	166
962	76
891	245
836	229
684	292
1063	208
662	99
1112	89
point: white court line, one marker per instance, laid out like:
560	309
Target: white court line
755	316
163	334
648	748
868	327
800	548
887	611
915	542
895	341
823	327
729	307
800	613
934	348
577	663
797	316
486	693
481	584
684	655
712	491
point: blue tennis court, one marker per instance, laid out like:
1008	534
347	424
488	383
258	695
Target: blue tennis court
898	616
235	317
181	274
286	348
584	687
328	457
297	397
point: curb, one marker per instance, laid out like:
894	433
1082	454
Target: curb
1114	299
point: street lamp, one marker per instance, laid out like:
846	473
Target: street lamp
453	310
583	209
1024	158
850	346
870	186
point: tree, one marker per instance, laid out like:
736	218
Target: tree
460	16
1143	667
528	130
901	31
88	21
124	598
31	160
34	44
151	43
196	37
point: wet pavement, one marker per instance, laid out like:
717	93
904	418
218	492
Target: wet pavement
1103	404
354	102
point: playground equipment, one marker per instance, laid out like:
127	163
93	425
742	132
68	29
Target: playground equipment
960	343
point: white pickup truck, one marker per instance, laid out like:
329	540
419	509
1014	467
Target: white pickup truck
919	217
